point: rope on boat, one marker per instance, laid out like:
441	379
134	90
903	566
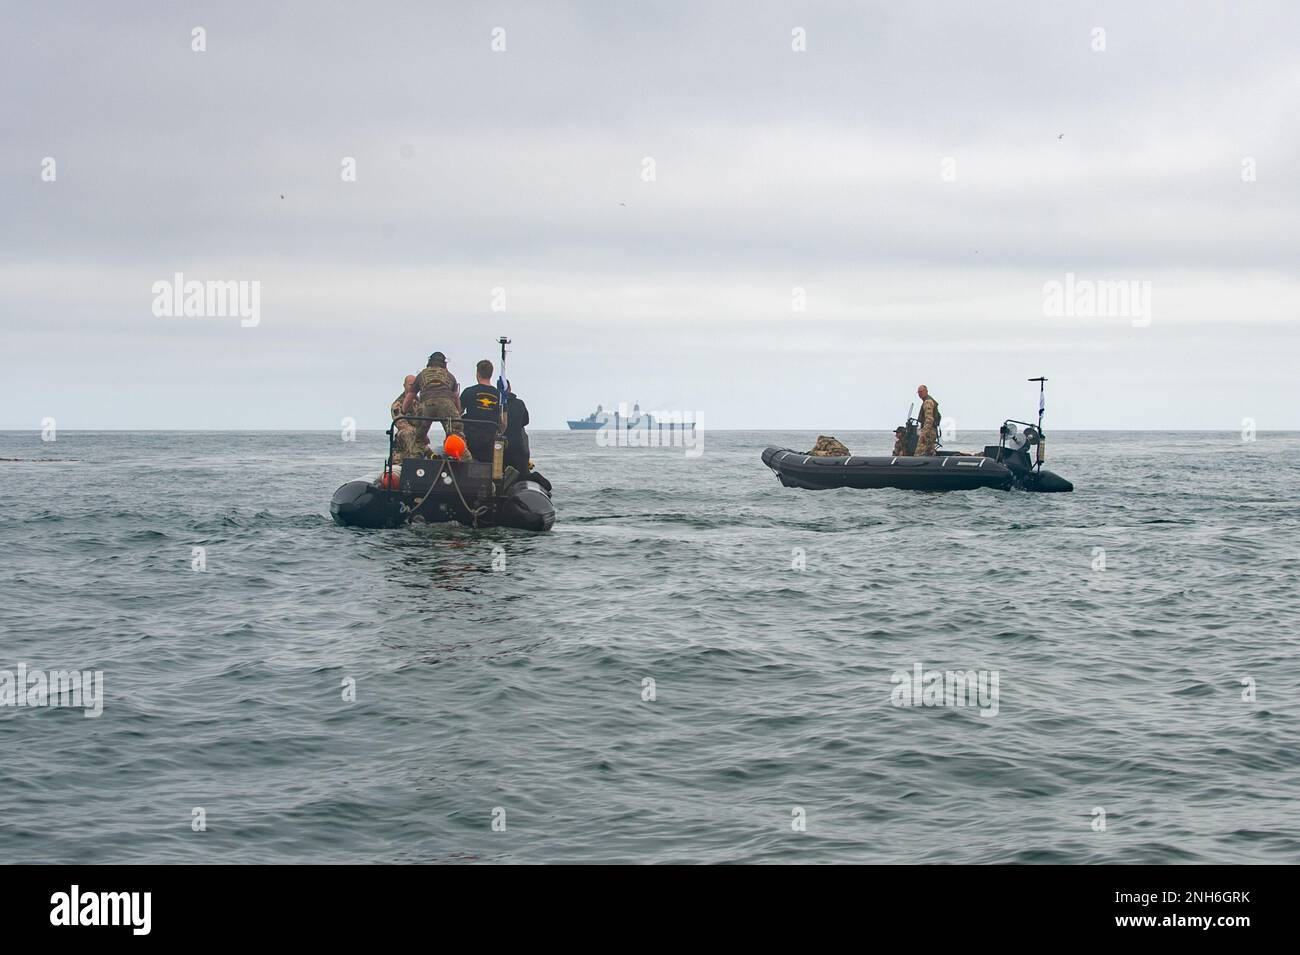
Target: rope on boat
474	512
415	510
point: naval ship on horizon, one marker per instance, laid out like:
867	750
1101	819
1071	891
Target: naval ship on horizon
622	419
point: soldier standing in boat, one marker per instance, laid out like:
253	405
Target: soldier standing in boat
928	418
408	442
438	396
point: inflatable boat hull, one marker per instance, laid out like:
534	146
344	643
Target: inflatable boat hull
427	496
942	472
363	504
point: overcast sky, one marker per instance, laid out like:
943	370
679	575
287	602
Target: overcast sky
774	169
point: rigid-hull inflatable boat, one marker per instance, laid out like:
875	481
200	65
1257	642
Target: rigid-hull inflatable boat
440	489
1005	465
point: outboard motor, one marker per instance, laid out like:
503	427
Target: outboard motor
1012	437
1012	450
1037	479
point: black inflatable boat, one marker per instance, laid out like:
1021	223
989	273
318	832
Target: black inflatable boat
1005	465
440	489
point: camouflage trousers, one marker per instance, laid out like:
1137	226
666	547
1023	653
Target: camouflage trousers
926	441
408	443
440	408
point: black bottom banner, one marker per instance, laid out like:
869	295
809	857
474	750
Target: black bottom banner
336	903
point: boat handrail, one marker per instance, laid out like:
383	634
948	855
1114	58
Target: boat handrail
1002	431
476	422
392	430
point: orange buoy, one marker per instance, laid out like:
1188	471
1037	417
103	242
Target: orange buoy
389	481
454	446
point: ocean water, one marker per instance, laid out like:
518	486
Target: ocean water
1142	631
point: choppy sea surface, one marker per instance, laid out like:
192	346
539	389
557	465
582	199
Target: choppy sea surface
1142	630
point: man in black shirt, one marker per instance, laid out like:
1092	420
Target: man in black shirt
517	450
481	402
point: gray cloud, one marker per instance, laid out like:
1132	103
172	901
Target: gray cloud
775	169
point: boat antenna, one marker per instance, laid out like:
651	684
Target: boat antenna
501	374
1042	382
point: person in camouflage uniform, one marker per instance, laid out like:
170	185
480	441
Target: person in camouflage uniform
439	397
900	442
408	441
829	447
928	417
